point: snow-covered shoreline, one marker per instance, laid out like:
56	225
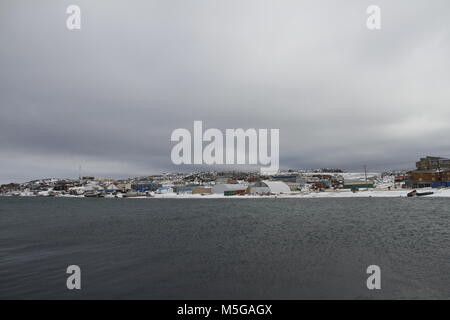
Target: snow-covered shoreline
437	193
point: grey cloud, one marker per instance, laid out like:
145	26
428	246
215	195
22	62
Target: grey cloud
108	96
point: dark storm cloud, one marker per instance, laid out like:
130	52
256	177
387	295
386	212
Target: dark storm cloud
108	96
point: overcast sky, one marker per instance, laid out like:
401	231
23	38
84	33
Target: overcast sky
107	97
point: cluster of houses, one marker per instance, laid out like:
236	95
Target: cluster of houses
203	183
430	172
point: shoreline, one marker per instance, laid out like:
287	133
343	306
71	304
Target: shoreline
437	193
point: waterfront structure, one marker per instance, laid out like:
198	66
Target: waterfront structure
358	184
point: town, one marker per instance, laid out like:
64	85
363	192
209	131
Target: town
432	175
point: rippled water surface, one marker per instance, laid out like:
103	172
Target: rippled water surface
224	248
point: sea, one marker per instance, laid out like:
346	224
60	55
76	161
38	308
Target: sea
224	248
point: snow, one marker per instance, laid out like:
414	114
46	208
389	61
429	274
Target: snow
375	193
327	194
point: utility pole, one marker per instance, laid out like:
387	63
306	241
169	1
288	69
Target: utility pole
365	172
440	173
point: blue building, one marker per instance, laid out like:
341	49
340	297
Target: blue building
145	186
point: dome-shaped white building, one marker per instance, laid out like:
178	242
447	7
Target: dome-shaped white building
273	187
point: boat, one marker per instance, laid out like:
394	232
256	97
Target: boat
427	193
94	195
414	193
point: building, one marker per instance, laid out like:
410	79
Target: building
269	187
184	189
235	192
321	184
400	178
124	186
358	184
223	187
63	186
431	172
201	190
112	188
295	186
285	177
429	178
433	163
164	189
145	186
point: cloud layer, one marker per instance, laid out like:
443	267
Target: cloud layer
108	96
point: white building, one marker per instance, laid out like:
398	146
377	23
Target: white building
273	187
112	188
164	189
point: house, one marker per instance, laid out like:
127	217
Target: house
112	188
93	188
77	191
201	190
124	186
63	186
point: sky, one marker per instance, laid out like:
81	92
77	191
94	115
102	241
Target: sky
108	96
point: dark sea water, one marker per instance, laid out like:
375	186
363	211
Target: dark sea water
224	248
